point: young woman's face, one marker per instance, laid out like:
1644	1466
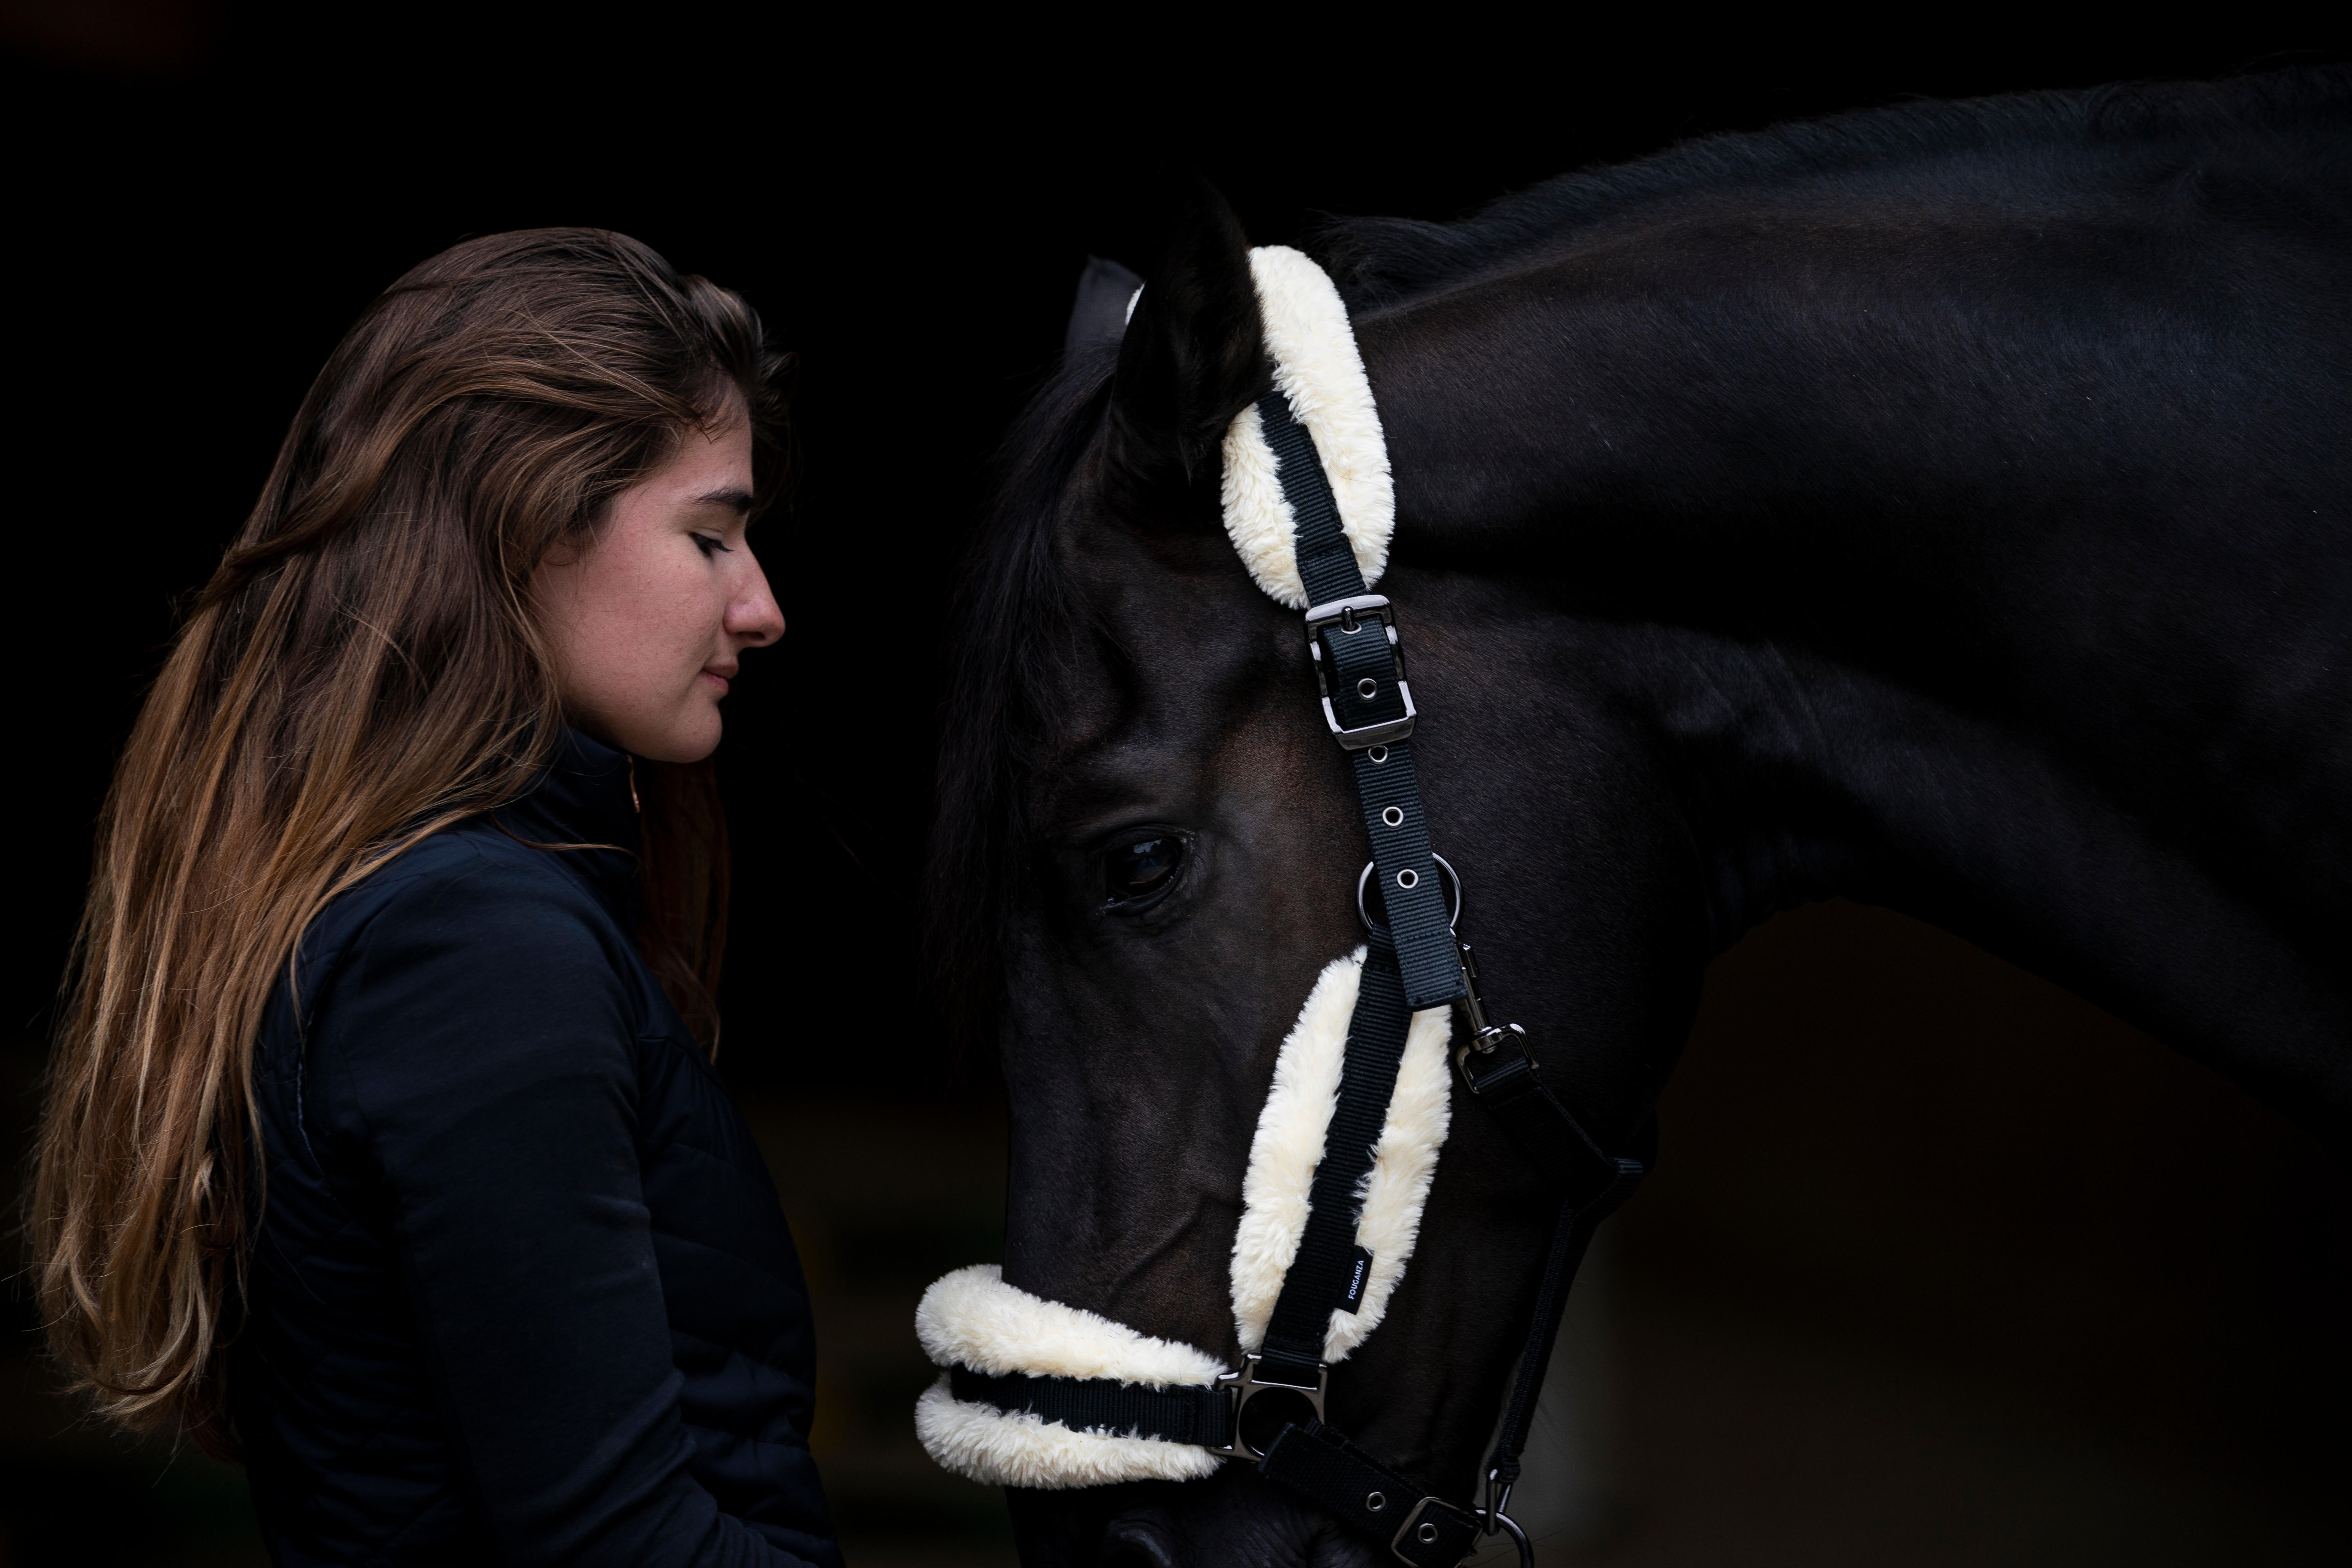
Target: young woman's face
646	624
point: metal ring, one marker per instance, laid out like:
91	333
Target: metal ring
1428	1532
1377	1502
1378	754
1446	874
1367	689
1408	879
1393	816
1496	1518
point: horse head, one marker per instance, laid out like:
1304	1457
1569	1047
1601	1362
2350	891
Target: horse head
1157	829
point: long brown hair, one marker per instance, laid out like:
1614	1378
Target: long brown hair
362	672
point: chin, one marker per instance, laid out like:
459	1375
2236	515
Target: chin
689	740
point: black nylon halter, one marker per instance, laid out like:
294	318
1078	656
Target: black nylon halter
1413	962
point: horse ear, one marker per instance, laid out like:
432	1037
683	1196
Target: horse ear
1194	355
1106	289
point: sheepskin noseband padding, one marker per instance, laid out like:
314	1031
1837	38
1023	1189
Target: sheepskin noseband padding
973	1318
1290	1145
1316	366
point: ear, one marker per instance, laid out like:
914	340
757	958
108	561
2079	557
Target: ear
1194	355
1105	290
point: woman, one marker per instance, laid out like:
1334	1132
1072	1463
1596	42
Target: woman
378	1148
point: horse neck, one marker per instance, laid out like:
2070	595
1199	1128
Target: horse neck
1801	777
2017	568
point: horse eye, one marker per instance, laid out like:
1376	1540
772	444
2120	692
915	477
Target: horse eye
1138	870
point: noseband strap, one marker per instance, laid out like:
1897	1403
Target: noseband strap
1308	505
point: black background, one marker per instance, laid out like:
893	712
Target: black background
201	199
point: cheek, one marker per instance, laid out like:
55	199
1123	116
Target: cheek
648	621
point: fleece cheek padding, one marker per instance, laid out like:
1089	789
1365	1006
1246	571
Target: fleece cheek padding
1316	366
1288	1145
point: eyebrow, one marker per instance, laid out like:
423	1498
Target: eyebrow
738	501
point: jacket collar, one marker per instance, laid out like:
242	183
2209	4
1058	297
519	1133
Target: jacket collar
586	796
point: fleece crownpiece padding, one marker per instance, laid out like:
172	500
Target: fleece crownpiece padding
1315	365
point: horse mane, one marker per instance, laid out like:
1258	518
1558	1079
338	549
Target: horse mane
1380	260
1015	623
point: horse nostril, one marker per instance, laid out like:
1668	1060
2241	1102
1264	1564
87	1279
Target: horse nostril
1137	1543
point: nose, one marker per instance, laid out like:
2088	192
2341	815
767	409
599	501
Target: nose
1136	1541
752	614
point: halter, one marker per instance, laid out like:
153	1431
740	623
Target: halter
1039	1394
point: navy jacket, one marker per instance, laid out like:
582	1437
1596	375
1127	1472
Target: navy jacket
522	1292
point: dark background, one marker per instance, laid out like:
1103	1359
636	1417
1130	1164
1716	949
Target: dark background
1879	1304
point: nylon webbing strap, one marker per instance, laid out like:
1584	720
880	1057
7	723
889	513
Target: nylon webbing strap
1571	1233
1181	1414
1533	1118
1319	1463
1411	961
1402	864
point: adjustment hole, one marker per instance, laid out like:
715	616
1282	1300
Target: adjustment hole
1366	687
1378	754
1428	1533
1408	880
1393	817
1377	1502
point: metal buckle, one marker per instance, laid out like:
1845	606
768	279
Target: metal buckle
1246	1385
1351	615
1410	1528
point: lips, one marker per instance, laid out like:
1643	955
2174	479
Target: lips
718	675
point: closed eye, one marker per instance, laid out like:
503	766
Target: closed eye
707	543
1136	871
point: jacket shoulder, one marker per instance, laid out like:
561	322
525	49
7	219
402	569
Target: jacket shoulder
479	897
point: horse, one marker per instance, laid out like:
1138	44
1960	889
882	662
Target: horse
1943	506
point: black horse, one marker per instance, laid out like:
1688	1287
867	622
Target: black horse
1948	507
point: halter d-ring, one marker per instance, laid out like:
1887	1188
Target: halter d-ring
1446	871
1496	1518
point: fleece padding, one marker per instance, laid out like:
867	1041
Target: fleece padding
1014	1449
1315	365
973	1318
1290	1145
